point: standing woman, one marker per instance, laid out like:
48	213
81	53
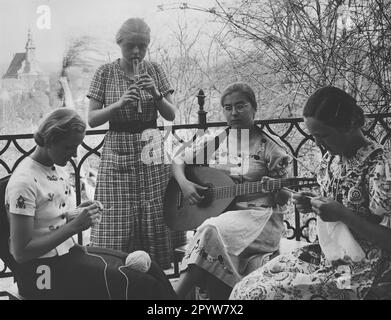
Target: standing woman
129	187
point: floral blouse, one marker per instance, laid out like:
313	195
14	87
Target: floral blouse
251	163
43	193
361	183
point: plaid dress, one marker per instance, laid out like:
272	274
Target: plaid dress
130	188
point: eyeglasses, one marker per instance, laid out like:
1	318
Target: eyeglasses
239	107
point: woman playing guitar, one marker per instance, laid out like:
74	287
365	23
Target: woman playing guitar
228	247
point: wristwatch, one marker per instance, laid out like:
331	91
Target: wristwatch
159	98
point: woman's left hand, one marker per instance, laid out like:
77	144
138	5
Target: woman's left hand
70	215
282	197
328	210
145	82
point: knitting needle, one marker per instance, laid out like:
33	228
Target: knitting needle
295	192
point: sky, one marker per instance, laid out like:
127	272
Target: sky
70	18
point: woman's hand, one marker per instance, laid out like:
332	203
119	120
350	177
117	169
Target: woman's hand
85	217
328	210
132	94
145	82
282	197
70	215
190	192
302	200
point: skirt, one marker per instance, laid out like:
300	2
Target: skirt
131	183
235	243
87	273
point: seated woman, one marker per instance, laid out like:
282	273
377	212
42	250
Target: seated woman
354	215
42	225
231	245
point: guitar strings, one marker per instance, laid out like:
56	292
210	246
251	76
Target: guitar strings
231	190
253	187
256	186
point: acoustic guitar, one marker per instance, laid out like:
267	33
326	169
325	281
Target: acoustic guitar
222	190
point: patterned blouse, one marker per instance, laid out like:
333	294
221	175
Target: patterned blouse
43	193
264	158
361	183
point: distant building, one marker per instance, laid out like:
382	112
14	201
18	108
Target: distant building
23	73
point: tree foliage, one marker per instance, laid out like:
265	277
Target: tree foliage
311	43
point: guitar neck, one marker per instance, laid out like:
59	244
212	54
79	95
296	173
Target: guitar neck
251	187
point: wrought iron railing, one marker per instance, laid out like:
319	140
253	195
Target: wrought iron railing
298	143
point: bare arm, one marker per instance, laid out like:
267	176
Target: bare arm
178	171
188	188
166	107
97	115
278	165
25	247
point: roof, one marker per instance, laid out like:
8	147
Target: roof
15	65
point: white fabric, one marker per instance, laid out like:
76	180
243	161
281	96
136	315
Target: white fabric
238	229
43	193
337	242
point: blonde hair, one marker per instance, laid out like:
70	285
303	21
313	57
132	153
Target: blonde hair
58	125
133	27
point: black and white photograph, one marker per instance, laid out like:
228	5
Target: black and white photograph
195	155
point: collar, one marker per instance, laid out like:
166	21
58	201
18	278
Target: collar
362	153
117	66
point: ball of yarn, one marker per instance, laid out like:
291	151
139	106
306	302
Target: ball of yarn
138	260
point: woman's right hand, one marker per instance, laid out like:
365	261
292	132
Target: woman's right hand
190	191
86	217
70	215
302	201
132	94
